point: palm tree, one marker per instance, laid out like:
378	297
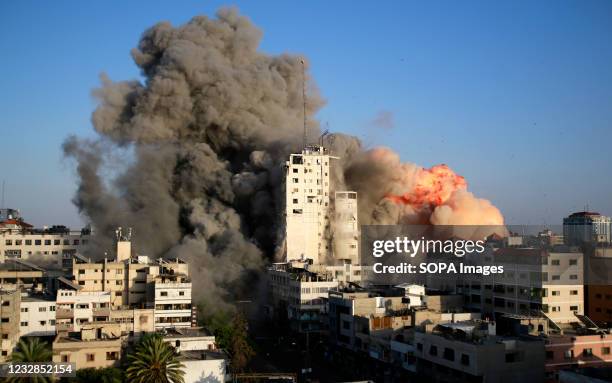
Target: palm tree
31	350
154	361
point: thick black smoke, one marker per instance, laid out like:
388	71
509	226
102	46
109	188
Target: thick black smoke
209	129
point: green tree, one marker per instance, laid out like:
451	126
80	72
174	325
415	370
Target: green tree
30	350
154	361
239	347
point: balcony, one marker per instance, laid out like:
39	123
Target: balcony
64	313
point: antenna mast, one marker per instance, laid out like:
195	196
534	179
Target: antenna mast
304	98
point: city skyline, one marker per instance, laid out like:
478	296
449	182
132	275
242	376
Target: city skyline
514	101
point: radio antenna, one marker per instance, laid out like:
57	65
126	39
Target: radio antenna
304	97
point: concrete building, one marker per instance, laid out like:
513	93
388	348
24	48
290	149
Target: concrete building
580	345
89	348
55	244
10	301
76	308
586	227
308	205
17	274
37	315
345	228
137	282
533	281
299	295
172	300
470	351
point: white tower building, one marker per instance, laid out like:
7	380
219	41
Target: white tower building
308	200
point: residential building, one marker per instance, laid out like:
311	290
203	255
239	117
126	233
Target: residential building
17	274
37	315
470	351
76	308
299	295
172	300
90	347
308	205
586	227
55	244
10	301
345	228
533	281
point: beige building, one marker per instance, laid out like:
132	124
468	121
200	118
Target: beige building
91	347
55	244
9	322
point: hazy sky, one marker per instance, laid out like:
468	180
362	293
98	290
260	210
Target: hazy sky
515	96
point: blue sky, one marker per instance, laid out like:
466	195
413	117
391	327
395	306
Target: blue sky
516	96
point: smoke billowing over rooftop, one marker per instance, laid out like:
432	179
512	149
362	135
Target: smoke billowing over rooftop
208	131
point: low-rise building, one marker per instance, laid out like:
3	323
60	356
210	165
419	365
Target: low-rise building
37	315
91	347
10	301
470	351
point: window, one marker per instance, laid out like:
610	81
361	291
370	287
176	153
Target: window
82	283
24	309
587	352
181	293
42	309
449	354
550	355
18	242
28	242
465	359
573	276
47	242
91	357
573	262
8	242
65	358
295	200
66	242
555	262
75	242
37	242
556	277
81	271
295	170
433	350
556	293
296	180
43	322
119	283
23	324
605	350
573	292
569	354
4	336
56	242
573	308
420	346
112	355
163	293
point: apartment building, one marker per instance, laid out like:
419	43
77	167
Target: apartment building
55	244
346	228
172	300
299	295
76	308
534	280
587	227
308	202
88	348
470	351
37	315
10	301
16	274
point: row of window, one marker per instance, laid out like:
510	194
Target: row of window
569	354
40	309
47	242
42	323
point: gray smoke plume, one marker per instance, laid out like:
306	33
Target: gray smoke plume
206	136
208	132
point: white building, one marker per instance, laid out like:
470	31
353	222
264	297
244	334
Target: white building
76	308
55	244
586	226
37	316
346	228
172	299
308	205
